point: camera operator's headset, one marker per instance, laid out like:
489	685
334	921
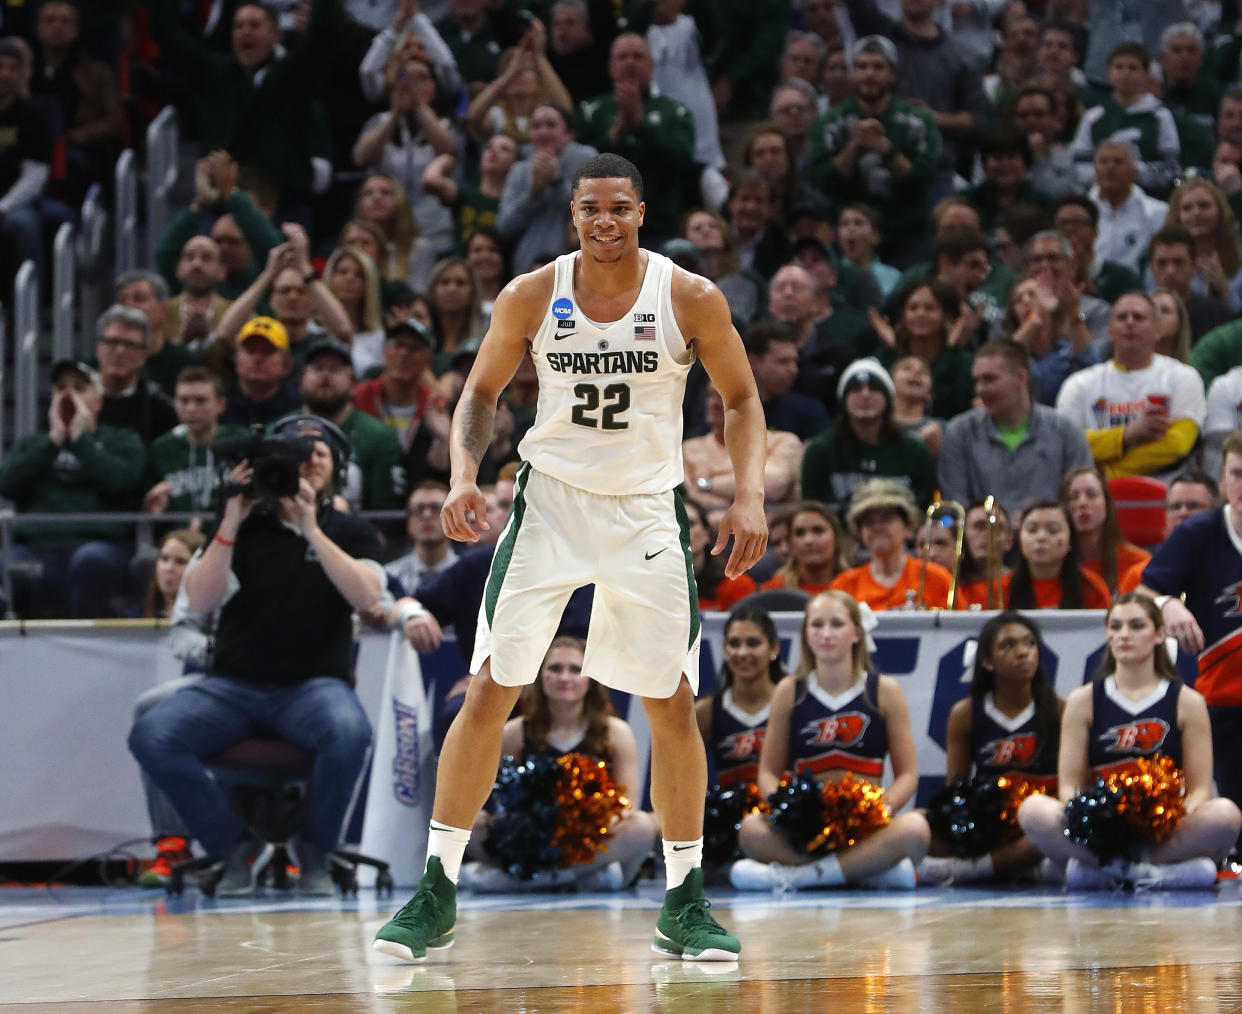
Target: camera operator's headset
303	424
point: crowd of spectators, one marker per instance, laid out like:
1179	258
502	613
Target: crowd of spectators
971	248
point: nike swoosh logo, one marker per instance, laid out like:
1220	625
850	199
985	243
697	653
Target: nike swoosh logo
681	848
558	336
652	556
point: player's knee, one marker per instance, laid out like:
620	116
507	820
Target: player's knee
1034	813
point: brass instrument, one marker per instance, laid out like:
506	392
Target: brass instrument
995	557
944	508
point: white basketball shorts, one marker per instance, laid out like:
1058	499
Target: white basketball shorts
644	630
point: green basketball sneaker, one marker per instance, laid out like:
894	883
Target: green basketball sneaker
686	930
426	921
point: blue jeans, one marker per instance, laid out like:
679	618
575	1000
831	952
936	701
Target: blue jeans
90	580
201	720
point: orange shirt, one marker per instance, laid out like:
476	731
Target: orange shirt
1095	593
1131	578
729	593
858	582
811	589
1127	558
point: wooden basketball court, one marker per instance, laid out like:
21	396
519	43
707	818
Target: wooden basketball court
121	952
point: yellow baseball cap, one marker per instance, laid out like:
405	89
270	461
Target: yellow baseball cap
266	327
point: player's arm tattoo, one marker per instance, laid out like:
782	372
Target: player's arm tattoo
476	421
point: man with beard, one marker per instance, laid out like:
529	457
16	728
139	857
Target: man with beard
195	312
878	150
375	480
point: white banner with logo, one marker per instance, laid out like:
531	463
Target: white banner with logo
70	787
403	760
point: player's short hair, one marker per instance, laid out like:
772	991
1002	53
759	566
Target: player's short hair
609	167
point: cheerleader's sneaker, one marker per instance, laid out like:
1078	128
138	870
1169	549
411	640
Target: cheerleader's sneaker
1080	876
899	878
1188	875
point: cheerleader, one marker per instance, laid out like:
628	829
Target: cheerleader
733	720
1138	707
836	716
1010	726
568	712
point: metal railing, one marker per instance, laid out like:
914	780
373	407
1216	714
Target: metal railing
64	292
126	240
26	350
94	285
163	141
144	528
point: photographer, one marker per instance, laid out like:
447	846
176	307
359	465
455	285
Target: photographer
286	571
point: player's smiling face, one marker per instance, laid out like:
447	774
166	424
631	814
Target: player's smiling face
607	214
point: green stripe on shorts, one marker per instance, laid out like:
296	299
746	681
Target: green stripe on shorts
683	522
504	548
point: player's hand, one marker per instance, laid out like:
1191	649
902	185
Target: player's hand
749	528
464	515
1181	623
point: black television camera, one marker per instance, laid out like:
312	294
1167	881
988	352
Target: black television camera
275	461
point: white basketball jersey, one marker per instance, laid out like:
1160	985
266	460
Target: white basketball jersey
608	418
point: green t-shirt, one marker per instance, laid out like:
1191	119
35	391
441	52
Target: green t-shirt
1012	436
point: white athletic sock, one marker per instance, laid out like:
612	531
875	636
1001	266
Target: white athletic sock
680	857
449	843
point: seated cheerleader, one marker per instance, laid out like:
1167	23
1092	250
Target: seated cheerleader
1008	726
1047	574
1138	707
833	717
732	720
567	712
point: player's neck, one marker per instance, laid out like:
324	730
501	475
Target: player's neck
611	278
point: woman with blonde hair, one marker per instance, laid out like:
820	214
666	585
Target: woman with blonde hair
352	277
1200	207
743	287
368	237
525	81
835	686
383	201
402	142
457	311
818	550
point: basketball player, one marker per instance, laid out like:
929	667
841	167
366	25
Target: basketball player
613	330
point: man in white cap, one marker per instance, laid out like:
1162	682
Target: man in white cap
865	443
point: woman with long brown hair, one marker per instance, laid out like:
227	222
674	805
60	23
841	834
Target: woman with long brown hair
176	549
1100	546
383	201
1138	688
930	323
565	711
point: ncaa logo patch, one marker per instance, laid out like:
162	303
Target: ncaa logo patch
562	307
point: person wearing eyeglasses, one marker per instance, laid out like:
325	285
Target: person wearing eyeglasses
130	400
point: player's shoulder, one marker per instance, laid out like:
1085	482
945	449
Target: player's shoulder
697	301
524	300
